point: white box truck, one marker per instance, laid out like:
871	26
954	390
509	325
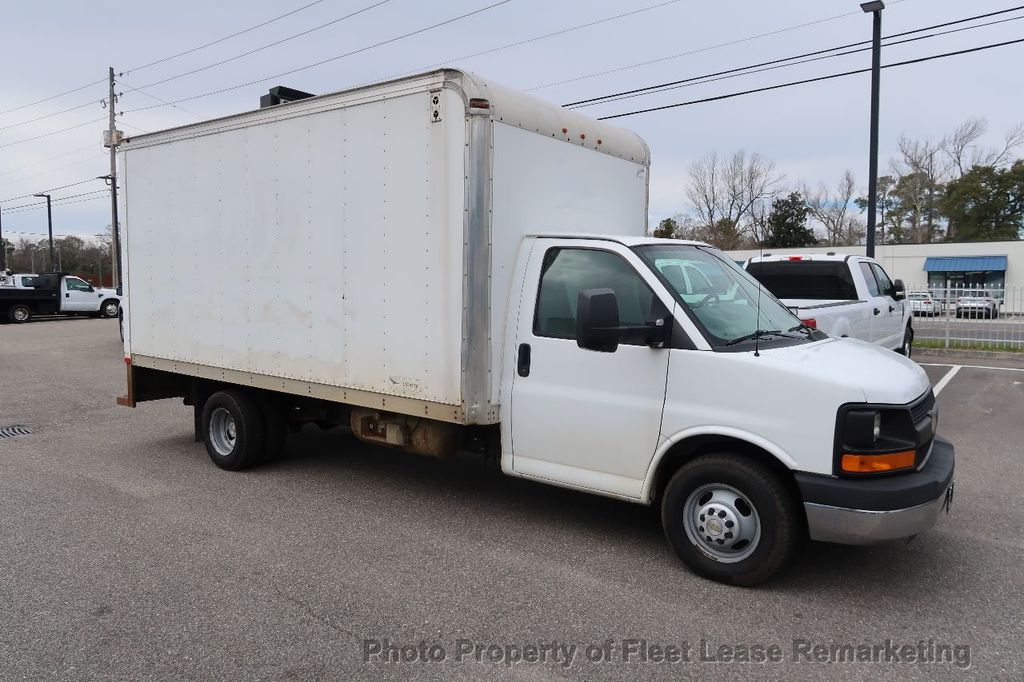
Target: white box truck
442	263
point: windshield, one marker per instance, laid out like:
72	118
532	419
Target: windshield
721	296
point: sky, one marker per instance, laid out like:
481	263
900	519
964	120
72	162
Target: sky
813	132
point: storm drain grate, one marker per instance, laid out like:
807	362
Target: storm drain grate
15	430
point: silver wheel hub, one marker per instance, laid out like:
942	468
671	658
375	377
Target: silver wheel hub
722	522
20	314
223	432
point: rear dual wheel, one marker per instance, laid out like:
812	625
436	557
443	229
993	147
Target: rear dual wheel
240	431
19	314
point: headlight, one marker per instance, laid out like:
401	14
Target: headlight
875	440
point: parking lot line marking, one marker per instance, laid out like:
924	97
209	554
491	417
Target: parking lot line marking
946	364
946	379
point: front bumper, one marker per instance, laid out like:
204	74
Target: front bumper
863	511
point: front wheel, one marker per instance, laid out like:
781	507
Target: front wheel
730	518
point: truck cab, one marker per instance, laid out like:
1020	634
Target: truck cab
624	378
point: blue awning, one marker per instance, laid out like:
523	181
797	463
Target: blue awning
965	263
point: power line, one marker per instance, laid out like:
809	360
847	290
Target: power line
64	203
55	132
60	201
810	80
51	189
45	116
221	40
52	158
268	45
51	171
122	81
533	39
729	43
778	64
52	97
330	59
164	59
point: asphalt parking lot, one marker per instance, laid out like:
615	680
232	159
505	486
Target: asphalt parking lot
125	554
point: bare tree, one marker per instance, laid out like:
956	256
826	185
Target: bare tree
727	195
963	152
833	210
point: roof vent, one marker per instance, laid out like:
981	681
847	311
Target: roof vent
282	95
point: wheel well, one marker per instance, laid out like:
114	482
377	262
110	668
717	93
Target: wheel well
691	448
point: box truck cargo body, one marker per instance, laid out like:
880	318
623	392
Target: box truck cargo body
442	264
359	246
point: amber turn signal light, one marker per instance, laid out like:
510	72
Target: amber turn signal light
871	464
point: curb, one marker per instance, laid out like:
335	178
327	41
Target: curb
963	354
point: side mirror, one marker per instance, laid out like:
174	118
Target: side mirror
597	320
92	288
899	292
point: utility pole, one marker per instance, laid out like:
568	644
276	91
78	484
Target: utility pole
111	140
3	249
49	225
875	9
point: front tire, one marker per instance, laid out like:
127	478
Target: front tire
730	518
232	428
19	314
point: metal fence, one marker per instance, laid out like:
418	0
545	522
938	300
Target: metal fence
968	317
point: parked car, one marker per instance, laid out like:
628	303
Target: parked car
844	296
925	303
25	295
977	303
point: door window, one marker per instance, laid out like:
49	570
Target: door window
883	279
75	284
567	272
869	277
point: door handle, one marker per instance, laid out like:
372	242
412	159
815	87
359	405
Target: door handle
877	311
523	363
67	295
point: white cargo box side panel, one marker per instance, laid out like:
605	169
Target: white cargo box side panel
545	184
325	248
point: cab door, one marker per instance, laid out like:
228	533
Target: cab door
78	296
879	325
891	325
581	417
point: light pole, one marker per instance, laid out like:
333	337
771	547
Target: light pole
875	9
49	223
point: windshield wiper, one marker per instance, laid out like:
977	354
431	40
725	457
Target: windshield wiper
802	327
759	334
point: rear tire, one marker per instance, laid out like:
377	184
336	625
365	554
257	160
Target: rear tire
908	342
19	314
755	522
232	428
109	308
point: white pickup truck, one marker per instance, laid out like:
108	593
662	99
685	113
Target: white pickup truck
25	295
433	292
842	295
